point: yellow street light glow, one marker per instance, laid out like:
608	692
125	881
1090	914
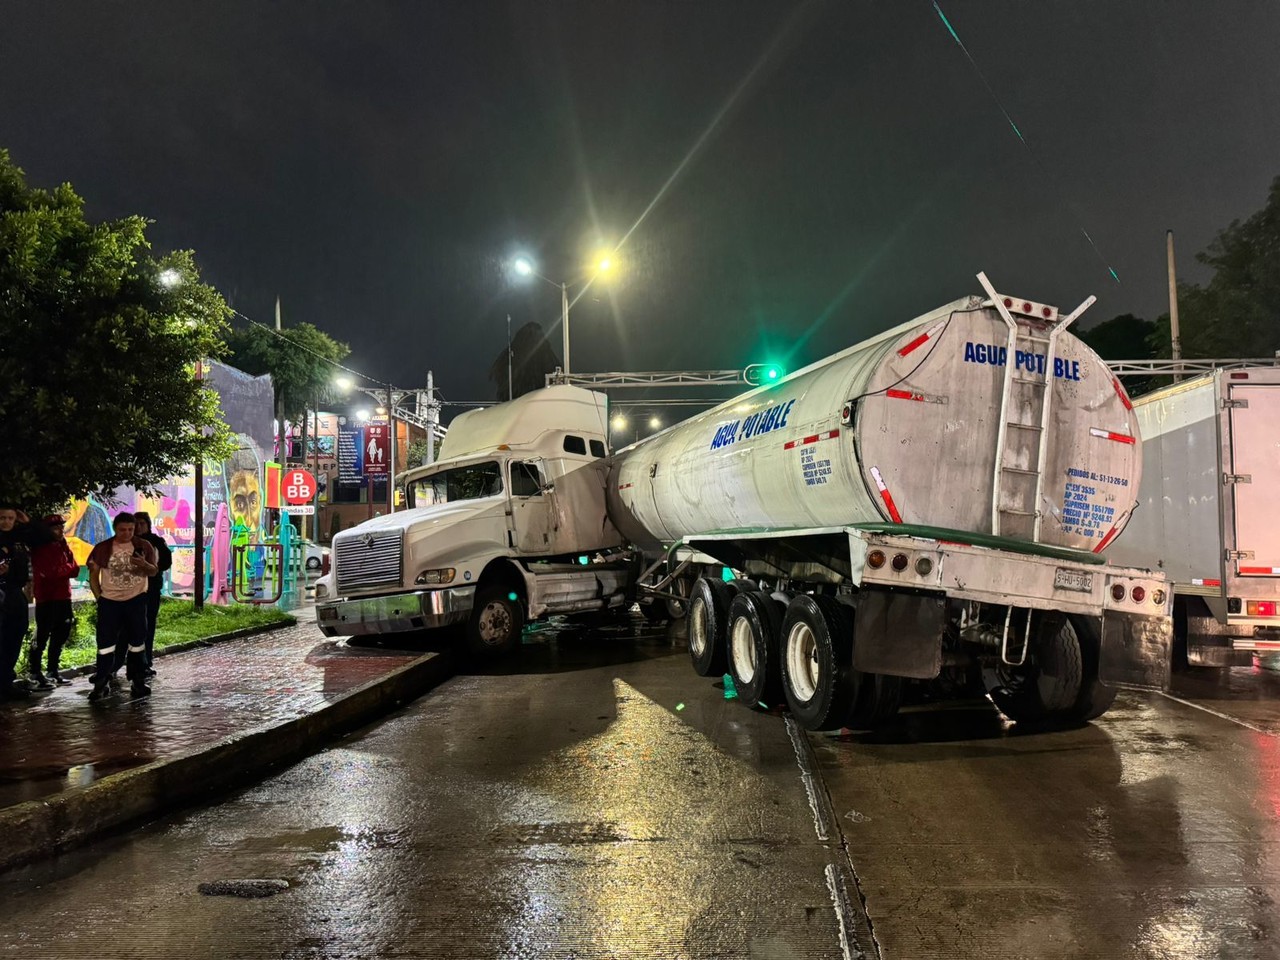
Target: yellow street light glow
343	382
654	423
619	422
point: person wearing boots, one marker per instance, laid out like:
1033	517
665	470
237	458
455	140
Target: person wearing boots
164	559
16	540
118	572
53	566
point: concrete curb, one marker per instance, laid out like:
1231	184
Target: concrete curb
39	828
240	634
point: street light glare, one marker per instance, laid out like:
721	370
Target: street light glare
362	414
654	423
343	383
524	266
619	423
169	278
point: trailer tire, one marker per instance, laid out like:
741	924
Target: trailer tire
739	585
755	626
495	625
1095	696
816	656
1049	685
878	698
708	626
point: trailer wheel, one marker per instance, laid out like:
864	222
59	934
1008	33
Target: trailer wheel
755	624
1095	696
739	585
817	661
496	623
708	626
1049	684
878	698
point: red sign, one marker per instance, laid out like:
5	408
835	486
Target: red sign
375	450
298	486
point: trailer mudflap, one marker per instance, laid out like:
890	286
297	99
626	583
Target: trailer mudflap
899	634
1135	651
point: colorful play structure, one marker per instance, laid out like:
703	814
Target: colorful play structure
243	570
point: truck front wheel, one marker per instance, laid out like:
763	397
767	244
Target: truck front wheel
496	623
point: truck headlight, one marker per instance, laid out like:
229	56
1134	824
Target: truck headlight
443	575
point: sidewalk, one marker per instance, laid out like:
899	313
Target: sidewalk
206	700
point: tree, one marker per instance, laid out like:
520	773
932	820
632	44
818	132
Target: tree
300	360
99	344
1237	313
532	358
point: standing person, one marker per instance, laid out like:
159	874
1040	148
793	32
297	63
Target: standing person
52	567
118	572
16	539
164	560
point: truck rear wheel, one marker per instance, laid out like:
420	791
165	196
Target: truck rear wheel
708	626
817	661
755	624
496	623
1058	681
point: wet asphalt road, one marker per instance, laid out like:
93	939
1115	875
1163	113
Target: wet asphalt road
594	798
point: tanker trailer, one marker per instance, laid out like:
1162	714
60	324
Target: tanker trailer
932	503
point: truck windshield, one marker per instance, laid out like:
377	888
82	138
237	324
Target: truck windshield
471	482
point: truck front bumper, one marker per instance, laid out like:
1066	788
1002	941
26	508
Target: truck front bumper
395	613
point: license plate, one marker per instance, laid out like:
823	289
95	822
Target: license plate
1076	580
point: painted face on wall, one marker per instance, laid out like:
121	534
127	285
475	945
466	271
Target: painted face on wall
246	501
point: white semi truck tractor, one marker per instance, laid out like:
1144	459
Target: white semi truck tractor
1207	516
508	526
933	503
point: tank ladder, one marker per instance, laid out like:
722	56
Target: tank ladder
1026	409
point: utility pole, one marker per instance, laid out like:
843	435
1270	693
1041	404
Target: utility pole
432	416
509	396
564	322
391	450
1174	331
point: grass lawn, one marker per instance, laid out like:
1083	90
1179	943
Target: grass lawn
178	622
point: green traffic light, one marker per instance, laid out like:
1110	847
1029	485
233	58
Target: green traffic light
773	373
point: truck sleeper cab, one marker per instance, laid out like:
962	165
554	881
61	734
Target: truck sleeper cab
491	538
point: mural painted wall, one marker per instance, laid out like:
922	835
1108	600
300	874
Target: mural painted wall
238	482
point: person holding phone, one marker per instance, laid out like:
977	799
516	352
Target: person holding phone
119	569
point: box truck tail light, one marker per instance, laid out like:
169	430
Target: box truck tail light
886	496
1240	376
1112	435
1260	608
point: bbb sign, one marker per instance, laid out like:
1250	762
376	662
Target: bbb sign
298	486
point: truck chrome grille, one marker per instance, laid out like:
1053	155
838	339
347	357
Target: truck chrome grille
369	559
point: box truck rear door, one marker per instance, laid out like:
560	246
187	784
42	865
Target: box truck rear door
1255	463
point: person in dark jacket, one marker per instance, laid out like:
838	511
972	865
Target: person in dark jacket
52	567
17	536
164	559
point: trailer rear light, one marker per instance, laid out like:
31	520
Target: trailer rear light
1260	608
1240	376
900	562
875	559
1139	594
924	566
1158	598
1047	312
1117	592
1008	302
1026	308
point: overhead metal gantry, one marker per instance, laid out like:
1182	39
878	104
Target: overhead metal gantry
1183	368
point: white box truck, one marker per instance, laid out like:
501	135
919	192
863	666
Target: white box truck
1208	511
933	502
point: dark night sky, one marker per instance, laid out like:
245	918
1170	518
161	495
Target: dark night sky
377	163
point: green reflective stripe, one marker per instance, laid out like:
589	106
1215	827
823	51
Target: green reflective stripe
980	540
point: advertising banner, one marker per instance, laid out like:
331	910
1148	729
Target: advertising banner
376	446
350	452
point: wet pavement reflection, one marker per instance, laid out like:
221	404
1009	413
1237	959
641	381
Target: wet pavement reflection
595	798
59	741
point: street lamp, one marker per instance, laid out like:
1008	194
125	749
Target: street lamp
655	423
604	262
169	278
